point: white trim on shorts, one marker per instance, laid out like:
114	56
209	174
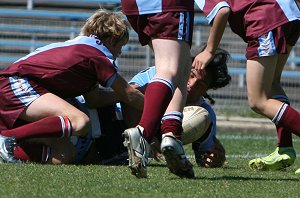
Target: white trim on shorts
23	90
266	46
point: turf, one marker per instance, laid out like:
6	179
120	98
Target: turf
235	179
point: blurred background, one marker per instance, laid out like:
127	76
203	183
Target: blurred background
28	24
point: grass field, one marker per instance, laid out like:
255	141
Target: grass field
235	179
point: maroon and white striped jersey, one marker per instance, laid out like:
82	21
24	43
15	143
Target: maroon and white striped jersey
252	18
140	7
67	69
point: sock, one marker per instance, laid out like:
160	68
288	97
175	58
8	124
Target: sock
172	122
284	136
54	126
33	152
158	95
288	118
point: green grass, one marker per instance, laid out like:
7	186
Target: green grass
235	179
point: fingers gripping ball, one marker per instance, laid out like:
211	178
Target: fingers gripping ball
212	158
195	123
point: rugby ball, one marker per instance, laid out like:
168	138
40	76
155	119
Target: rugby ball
195	123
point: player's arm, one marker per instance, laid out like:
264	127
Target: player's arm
101	97
127	94
215	35
138	87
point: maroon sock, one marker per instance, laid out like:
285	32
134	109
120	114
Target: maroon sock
54	126
32	152
157	98
284	137
288	118
172	125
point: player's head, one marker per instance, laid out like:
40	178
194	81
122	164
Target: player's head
110	27
214	76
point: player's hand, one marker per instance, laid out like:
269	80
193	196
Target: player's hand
214	157
202	60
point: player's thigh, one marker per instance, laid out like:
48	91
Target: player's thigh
171	58
276	85
282	59
51	105
260	75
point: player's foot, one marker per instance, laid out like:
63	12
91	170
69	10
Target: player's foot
7	145
297	171
281	158
138	151
175	156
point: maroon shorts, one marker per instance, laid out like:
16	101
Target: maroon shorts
167	25
16	94
274	42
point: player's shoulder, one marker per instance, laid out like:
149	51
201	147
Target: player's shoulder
92	42
143	77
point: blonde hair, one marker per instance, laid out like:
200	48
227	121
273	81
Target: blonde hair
107	24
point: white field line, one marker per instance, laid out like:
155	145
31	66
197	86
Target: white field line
251	137
247	137
245	156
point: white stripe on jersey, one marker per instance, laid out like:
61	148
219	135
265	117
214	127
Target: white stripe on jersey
200	3
149	7
85	40
210	17
290	9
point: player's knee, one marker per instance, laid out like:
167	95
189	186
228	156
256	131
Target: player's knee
255	105
80	124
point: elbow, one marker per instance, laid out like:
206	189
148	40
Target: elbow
224	11
130	97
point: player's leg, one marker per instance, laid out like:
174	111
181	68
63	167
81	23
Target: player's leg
157	97
159	92
277	93
284	155
46	151
171	127
260	74
62	151
50	116
31	152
